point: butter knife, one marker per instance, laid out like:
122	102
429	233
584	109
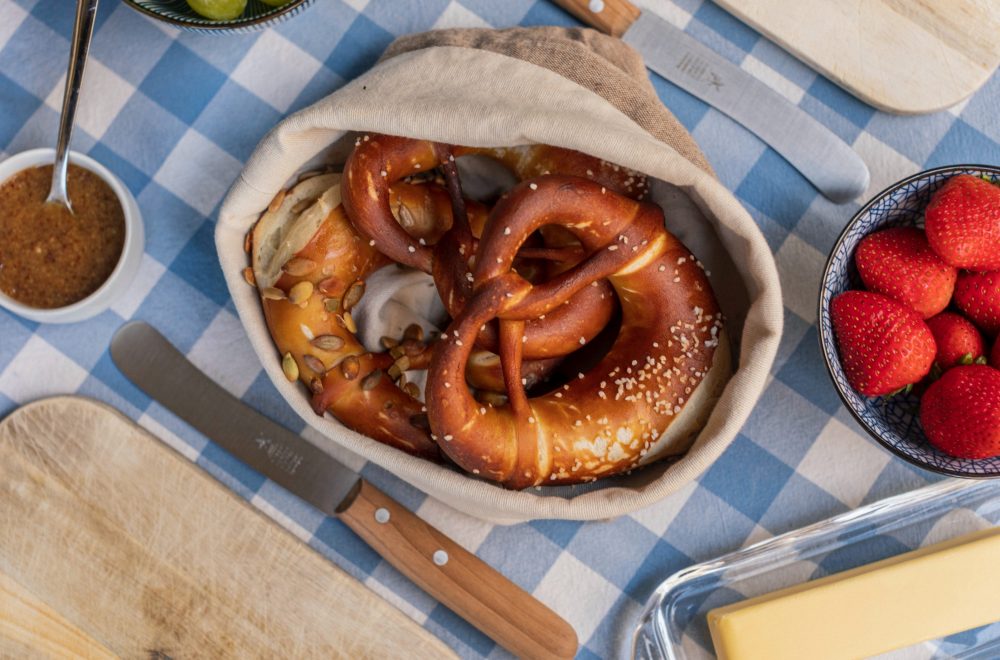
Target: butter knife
458	579
811	148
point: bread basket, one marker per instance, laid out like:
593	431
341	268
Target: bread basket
570	88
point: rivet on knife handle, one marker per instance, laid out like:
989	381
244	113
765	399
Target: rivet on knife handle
609	16
458	579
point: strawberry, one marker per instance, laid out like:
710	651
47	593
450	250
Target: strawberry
995	355
961	412
978	296
900	263
884	345
963	223
958	341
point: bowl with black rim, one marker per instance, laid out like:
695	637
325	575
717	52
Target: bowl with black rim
255	16
892	421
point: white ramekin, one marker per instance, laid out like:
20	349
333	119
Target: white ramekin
128	263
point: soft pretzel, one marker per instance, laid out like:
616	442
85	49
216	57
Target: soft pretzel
614	416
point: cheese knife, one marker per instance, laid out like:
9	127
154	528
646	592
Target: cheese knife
458	579
814	150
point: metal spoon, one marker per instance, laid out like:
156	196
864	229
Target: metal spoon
83	28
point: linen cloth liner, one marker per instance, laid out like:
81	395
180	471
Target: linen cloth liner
600	63
574	88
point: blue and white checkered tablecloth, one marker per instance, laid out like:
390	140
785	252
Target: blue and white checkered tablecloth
175	115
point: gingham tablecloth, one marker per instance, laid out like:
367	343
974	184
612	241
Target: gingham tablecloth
175	115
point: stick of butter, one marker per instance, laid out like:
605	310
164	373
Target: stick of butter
917	596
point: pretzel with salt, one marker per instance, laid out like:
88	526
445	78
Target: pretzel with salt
623	411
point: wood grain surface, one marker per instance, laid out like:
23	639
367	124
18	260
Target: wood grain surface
31	629
112	544
903	56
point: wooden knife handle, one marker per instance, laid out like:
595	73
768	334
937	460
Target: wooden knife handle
458	579
609	16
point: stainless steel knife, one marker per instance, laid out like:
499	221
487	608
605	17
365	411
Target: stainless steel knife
458	579
815	151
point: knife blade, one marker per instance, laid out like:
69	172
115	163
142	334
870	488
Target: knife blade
815	151
456	578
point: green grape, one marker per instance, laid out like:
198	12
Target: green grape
219	10
275	3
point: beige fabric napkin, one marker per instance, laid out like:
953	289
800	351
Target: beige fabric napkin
568	87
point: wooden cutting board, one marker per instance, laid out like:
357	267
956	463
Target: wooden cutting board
113	545
904	56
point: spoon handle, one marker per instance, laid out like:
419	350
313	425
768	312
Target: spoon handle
83	28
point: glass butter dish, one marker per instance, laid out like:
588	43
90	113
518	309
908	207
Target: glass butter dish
673	622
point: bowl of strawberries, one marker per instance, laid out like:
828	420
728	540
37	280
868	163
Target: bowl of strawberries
909	318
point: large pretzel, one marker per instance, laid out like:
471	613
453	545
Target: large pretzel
609	419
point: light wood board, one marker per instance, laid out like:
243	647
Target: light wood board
903	56
111	544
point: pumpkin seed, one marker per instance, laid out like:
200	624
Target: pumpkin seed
388	343
331	305
328	342
370	381
248	276
290	367
398	367
350	367
300	293
314	363
349	322
272	293
299	266
354	294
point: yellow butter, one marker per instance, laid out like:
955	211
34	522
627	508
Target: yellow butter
917	596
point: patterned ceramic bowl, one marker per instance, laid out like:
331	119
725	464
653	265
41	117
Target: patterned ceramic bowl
893	422
179	14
